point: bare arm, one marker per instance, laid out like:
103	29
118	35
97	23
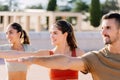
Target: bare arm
17	54
57	62
9	54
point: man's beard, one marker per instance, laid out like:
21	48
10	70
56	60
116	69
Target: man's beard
108	42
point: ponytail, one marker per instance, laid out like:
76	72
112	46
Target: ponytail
25	37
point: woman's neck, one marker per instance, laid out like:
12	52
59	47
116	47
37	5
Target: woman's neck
18	47
64	49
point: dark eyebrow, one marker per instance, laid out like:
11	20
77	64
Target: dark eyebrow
9	31
107	26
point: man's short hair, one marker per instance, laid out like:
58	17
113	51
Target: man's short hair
112	15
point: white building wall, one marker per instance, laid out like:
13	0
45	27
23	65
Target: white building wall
86	40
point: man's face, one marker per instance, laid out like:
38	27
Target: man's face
110	31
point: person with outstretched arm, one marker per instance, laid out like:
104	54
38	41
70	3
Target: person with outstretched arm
103	64
64	42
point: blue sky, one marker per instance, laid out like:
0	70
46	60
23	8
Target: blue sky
24	3
29	2
33	2
43	2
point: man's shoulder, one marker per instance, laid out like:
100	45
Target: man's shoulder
98	52
94	53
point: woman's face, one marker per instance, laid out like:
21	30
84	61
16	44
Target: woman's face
12	35
56	36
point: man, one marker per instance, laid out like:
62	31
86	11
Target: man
103	64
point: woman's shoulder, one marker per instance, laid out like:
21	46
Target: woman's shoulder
5	47
79	52
29	47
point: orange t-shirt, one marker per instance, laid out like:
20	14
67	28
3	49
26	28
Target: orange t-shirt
56	74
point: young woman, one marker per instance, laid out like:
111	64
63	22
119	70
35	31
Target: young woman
19	41
62	37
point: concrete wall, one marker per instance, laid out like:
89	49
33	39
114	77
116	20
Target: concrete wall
87	40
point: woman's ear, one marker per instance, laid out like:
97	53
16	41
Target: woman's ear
66	34
20	34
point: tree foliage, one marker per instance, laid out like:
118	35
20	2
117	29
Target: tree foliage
35	7
81	6
95	13
4	8
52	5
110	5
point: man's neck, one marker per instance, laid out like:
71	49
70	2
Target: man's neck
115	49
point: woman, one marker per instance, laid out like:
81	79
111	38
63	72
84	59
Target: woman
62	37
19	41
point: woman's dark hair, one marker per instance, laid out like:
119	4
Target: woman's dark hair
65	26
23	35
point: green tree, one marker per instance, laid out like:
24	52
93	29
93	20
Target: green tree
13	5
110	5
81	6
4	8
52	5
95	13
35	7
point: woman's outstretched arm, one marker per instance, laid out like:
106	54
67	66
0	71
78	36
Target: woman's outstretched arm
17	54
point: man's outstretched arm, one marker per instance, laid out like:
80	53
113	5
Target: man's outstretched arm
57	62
